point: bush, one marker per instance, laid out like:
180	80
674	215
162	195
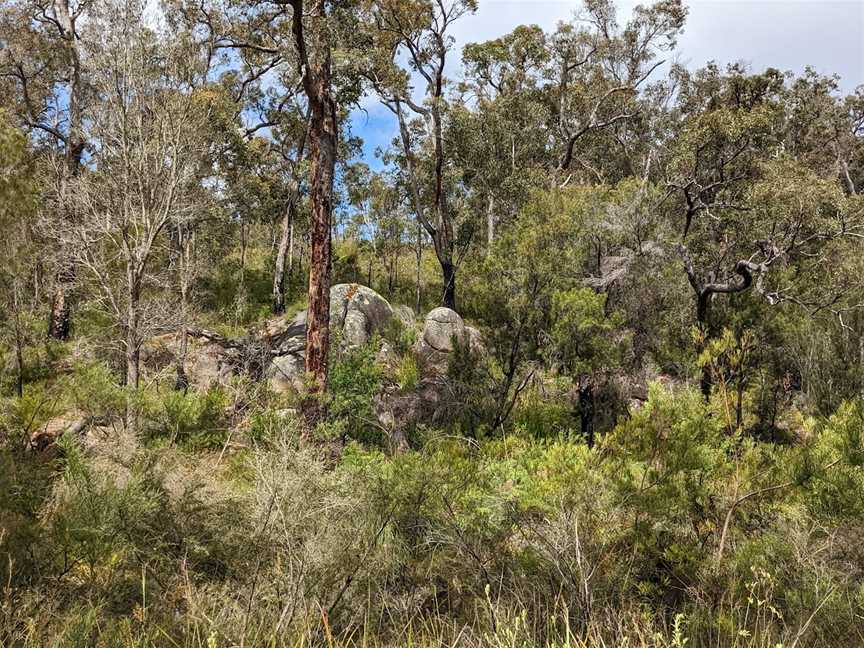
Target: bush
354	380
193	419
408	373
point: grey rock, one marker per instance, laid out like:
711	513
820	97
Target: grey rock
612	268
357	312
475	340
442	328
206	365
405	314
285	373
398	411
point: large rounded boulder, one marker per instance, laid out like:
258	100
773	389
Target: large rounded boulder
442	331
357	312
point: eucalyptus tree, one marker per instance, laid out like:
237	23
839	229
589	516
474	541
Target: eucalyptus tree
747	216
497	128
278	56
599	66
825	130
147	132
420	30
45	80
585	79
379	219
573	103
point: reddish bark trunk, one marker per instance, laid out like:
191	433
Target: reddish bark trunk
323	133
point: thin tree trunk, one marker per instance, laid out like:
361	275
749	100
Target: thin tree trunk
703	302
60	319
490	221
19	341
586	410
448	270
285	241
444	231
133	352
419	254
132	344
391	275
182	381
290	256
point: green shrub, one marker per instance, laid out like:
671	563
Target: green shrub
268	425
408	373
354	380
193	419
95	391
544	415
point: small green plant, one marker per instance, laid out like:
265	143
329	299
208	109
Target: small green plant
269	425
408	373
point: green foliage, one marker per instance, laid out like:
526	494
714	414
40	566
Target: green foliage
593	213
192	419
408	373
94	390
17	187
401	337
582	332
544	415
268	425
353	382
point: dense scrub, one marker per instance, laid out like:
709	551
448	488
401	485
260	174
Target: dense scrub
602	383
670	529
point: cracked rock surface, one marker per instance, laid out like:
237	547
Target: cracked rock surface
442	329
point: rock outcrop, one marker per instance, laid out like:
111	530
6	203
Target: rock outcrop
442	330
357	312
406	316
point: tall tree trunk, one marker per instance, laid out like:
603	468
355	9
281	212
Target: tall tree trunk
391	275
19	340
441	232
323	134
133	354
419	255
182	381
286	240
291	255
60	319
586	410
444	241
133	349
702	306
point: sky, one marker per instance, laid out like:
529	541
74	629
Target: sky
827	35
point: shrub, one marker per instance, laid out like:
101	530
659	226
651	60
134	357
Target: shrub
193	419
353	383
408	373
